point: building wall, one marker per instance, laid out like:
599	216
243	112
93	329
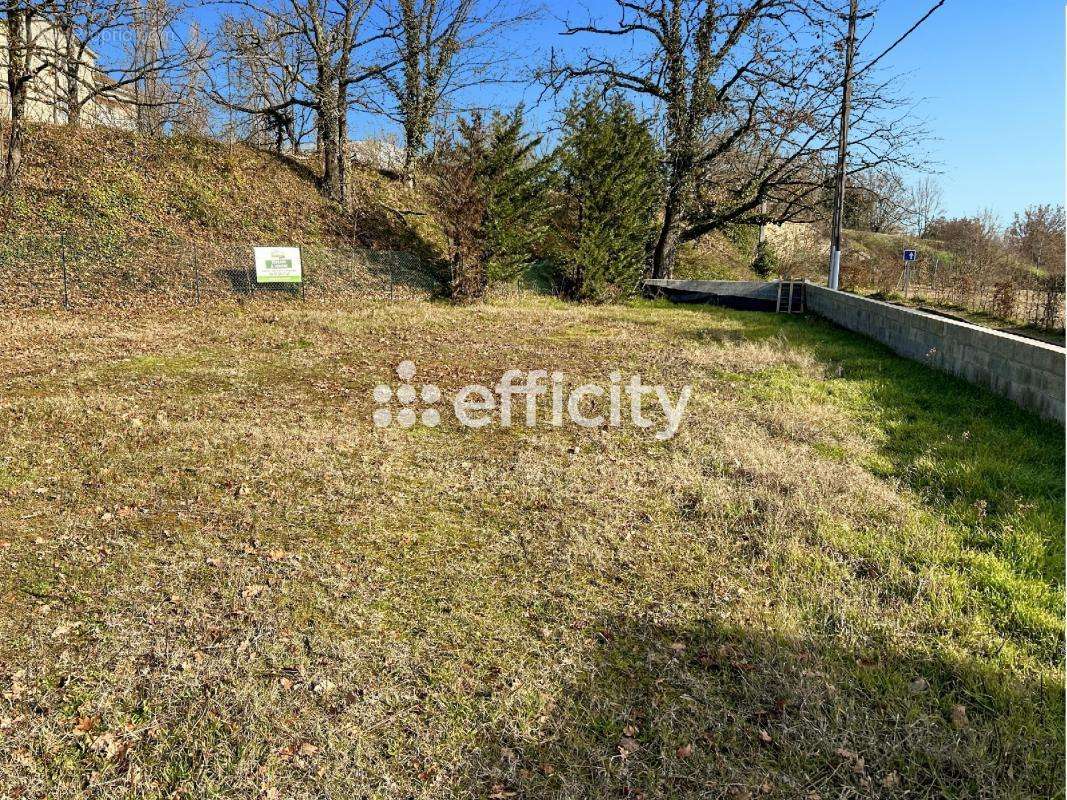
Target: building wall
47	91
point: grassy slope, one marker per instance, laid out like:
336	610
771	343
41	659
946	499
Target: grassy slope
887	249
126	208
716	257
220	580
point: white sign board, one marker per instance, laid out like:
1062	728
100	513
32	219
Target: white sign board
278	265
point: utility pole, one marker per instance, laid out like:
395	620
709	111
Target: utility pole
842	150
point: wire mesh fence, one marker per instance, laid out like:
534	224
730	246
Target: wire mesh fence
1015	296
43	271
1035	300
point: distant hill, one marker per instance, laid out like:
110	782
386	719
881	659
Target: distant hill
130	214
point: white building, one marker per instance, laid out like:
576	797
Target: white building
46	95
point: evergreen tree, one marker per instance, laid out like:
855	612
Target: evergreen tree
765	263
491	192
609	181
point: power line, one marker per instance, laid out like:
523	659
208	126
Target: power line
904	36
842	143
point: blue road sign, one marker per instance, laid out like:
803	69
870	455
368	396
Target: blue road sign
911	255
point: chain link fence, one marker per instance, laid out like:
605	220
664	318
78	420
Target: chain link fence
38	271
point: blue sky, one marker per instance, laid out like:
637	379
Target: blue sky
990	74
987	75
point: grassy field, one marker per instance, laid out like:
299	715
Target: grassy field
842	578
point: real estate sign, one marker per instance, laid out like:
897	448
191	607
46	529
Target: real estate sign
278	265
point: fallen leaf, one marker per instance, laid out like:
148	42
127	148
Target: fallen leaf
111	746
685	751
891	780
855	760
84	724
958	715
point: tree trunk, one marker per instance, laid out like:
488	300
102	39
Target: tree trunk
17	84
328	138
71	70
342	142
666	253
409	167
413	144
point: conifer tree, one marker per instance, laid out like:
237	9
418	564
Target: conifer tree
491	192
609	182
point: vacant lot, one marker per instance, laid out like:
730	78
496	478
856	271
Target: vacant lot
842	578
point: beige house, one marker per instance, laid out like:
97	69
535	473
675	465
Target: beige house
47	91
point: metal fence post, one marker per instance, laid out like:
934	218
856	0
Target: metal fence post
196	275
63	265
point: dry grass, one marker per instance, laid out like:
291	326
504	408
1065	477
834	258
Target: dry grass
129	215
220	580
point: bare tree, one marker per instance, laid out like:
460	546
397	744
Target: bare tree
441	47
746	92
877	200
1038	236
925	202
191	114
340	58
93	74
265	76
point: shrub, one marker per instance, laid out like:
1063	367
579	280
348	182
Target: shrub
766	262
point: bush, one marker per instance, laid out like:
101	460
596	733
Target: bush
766	262
607	171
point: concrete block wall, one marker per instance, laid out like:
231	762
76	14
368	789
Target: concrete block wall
1029	372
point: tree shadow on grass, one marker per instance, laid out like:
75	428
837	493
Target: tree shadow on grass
708	710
